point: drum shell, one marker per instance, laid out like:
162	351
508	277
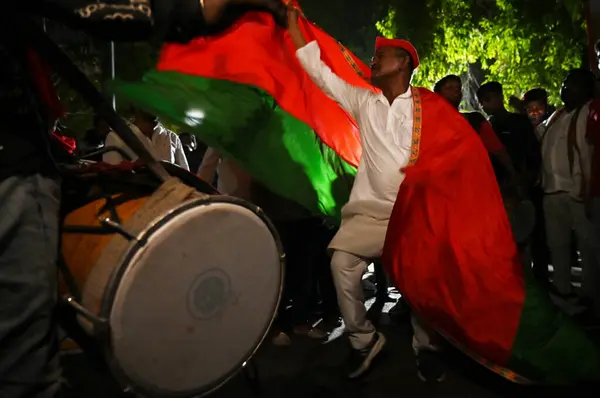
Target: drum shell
83	251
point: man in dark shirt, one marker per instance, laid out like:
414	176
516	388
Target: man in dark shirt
29	183
515	132
450	87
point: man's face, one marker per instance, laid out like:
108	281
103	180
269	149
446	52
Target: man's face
536	111
571	91
452	91
386	62
145	122
491	104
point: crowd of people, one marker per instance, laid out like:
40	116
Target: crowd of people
542	159
545	163
549	165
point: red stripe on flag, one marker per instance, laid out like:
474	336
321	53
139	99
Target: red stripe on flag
257	52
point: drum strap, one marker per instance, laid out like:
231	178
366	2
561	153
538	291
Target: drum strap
170	194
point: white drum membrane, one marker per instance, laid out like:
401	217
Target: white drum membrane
196	300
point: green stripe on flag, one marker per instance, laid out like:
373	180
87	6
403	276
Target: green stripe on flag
245	123
549	347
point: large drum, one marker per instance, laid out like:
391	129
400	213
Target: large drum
179	286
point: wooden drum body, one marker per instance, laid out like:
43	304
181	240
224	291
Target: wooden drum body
180	287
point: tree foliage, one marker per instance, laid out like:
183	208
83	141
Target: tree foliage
521	43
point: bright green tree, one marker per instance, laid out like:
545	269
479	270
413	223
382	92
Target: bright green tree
521	43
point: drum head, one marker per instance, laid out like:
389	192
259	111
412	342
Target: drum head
195	302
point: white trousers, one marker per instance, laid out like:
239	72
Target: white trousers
563	215
348	270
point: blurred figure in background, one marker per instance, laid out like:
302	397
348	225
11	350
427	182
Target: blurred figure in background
537	108
94	139
450	87
164	143
194	150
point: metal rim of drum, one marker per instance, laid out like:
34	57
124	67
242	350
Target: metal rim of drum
113	284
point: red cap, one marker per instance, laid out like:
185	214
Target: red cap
404	44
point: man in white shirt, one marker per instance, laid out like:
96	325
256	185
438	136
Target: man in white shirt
385	121
163	143
566	171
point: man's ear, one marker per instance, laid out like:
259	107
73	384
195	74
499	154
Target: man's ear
405	63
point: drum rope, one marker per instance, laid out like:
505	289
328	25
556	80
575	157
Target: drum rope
170	194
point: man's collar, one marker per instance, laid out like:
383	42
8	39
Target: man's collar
406	94
159	129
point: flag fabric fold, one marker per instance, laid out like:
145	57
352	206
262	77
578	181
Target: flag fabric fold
255	51
244	93
245	123
450	251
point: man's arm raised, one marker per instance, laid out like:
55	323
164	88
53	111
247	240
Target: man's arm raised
309	54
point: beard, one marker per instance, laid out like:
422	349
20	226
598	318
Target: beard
380	78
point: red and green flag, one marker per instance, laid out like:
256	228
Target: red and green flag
451	252
244	93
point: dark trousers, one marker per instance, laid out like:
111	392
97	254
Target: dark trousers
299	272
326	293
540	254
29	230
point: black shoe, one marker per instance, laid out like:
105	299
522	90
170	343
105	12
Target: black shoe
430	367
360	360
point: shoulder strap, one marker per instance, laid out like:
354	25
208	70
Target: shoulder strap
573	148
555	116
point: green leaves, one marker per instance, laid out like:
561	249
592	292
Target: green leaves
521	43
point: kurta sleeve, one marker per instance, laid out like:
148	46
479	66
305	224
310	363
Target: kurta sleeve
349	97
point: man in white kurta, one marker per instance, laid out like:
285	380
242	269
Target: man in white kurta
164	143
566	172
385	121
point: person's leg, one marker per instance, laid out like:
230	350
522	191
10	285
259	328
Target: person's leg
588	245
558	232
595	212
331	311
430	367
381	282
540	254
347	270
29	218
303	278
283	322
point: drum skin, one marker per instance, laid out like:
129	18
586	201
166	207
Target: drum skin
187	301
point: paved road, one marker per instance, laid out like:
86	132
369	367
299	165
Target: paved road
308	369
